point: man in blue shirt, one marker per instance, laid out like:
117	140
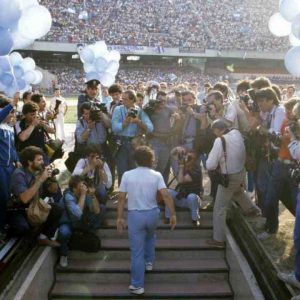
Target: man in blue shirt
128	121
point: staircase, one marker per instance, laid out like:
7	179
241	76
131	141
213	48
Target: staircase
185	268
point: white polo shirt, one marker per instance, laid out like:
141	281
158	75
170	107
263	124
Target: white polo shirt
236	153
141	185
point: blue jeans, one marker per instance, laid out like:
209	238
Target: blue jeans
5	174
192	202
141	232
162	157
65	230
282	187
101	194
124	158
297	237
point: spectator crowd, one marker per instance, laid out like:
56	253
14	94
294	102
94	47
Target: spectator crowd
247	140
194	24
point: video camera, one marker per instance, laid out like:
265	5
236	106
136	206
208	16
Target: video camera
95	109
132	113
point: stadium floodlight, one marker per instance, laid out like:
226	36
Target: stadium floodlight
133	58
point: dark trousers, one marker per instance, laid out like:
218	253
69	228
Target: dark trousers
20	226
280	187
297	238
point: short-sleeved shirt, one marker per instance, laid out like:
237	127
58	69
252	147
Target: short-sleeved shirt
161	121
141	185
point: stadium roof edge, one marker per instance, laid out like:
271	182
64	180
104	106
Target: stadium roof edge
160	51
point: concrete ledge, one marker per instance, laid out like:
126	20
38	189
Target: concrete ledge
241	277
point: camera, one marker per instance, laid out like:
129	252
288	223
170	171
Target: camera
183	108
95	109
54	172
294	172
245	99
132	112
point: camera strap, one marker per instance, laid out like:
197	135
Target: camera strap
224	150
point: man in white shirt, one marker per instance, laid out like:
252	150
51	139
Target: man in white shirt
142	185
231	160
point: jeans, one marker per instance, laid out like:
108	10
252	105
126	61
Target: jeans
5	174
162	156
65	230
297	237
124	158
282	187
141	232
101	194
192	202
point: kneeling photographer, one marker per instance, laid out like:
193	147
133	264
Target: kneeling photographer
161	139
82	212
27	209
189	188
94	168
228	155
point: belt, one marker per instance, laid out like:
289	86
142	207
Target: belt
285	161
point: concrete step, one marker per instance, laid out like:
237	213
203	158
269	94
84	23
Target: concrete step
166	265
151	277
161	233
206	289
181	224
160	254
166	244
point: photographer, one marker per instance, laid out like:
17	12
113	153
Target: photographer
32	130
91	95
96	170
91	128
127	121
280	185
115	91
189	188
151	92
25	184
82	211
161	139
228	153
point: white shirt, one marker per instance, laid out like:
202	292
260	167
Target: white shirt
236	153
230	114
277	116
82	163
141	185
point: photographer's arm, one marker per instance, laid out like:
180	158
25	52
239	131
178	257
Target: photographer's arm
215	155
26	133
181	177
170	204
106	121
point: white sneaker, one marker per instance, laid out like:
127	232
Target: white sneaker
63	261
289	278
136	290
149	266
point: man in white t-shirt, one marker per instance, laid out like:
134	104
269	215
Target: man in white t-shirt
142	186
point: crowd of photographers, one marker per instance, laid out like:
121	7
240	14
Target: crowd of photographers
190	25
247	140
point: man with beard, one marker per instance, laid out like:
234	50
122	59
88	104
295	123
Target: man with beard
25	184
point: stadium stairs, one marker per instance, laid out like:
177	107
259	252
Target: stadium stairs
186	267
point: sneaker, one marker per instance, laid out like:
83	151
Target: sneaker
47	242
149	266
136	290
265	235
289	278
63	261
196	223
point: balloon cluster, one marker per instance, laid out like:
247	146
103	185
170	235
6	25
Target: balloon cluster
16	73
22	22
287	23
99	63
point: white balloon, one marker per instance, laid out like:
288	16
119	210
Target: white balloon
113	67
28	64
101	64
27	3
35	22
88	68
115	55
15	58
87	55
107	79
30	77
39	77
10	13
289	9
294	41
91	76
19	41
292	61
100	49
296	26
279	26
